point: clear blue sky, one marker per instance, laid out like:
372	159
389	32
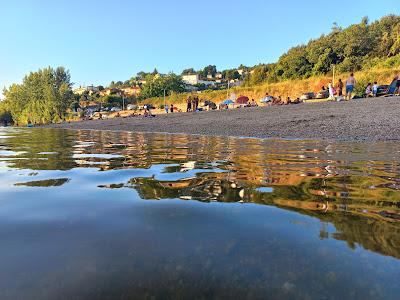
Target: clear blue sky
100	41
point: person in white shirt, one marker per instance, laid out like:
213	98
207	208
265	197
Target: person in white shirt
375	89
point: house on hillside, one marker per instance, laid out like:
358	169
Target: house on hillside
110	91
194	79
191	79
131	91
82	89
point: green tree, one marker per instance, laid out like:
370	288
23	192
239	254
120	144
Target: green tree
188	71
44	96
230	74
5	114
155	86
209	70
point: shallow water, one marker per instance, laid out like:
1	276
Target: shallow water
103	215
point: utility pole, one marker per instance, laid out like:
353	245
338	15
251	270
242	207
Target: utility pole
333	81
165	103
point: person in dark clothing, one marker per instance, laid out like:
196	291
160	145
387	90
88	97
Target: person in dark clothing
188	104
171	108
339	88
193	104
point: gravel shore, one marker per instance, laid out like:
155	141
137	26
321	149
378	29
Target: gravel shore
361	119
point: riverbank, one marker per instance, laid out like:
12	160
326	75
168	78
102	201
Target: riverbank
288	88
362	119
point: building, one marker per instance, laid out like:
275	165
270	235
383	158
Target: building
131	91
108	92
191	79
243	72
194	79
82	89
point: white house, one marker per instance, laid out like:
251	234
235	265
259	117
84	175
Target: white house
191	79
194	79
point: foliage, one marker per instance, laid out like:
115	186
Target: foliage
358	47
231	74
43	97
155	85
188	71
209	70
5	115
110	100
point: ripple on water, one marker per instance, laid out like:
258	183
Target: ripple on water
178	216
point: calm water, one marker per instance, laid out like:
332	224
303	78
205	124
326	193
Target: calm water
102	215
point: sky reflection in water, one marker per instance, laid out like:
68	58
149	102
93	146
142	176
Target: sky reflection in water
101	215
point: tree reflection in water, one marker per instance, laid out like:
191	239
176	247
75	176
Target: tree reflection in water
354	186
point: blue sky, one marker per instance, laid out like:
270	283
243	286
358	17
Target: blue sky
100	41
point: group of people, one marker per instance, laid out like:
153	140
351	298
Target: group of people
338	89
192	103
371	90
279	101
171	108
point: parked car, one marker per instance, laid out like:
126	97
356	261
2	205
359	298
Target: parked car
132	107
323	94
307	96
149	106
114	109
382	90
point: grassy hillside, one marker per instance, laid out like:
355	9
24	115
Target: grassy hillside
288	88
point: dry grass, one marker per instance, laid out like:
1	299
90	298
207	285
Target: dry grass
290	88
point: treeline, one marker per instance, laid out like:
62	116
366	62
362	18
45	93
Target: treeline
359	47
43	97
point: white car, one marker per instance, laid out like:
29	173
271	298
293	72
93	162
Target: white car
114	109
131	107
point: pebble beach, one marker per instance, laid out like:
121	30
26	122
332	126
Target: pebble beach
373	119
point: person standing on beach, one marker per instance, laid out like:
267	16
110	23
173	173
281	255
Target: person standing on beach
375	89
350	84
189	104
193	104
339	88
166	108
196	101
331	91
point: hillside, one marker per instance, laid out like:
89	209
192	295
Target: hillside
287	88
372	50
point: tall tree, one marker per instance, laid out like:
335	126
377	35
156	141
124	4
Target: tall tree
44	96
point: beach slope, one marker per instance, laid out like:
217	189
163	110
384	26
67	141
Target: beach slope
361	119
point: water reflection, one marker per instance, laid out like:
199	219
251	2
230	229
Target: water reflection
341	201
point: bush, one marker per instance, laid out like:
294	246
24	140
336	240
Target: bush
5	117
